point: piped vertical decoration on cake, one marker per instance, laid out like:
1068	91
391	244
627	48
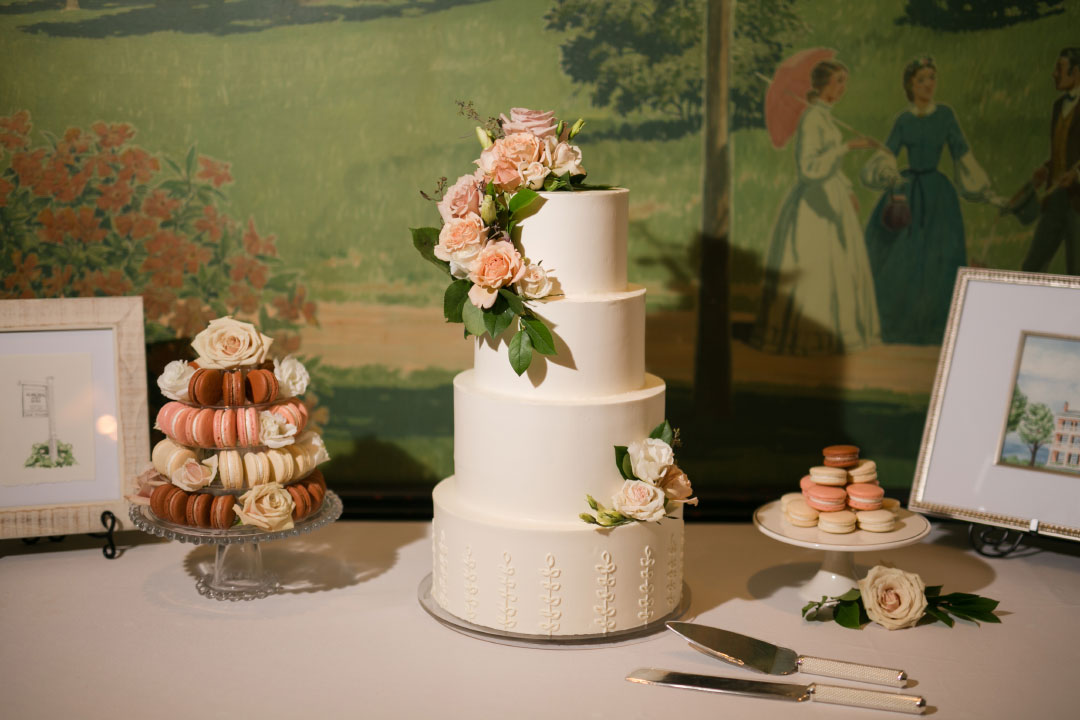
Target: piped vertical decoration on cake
441	551
605	611
550	600
674	562
491	279
653	485
471	586
647	601
236	450
507	612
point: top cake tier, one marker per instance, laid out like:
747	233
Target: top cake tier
579	238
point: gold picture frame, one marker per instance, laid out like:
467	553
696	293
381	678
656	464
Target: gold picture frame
102	339
962	472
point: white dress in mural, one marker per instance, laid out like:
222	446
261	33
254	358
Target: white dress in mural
818	296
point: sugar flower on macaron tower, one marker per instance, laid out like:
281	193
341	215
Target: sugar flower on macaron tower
491	278
236	449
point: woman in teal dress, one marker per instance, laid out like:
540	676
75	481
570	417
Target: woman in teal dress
915	266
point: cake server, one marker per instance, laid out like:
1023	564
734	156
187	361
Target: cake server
765	657
834	694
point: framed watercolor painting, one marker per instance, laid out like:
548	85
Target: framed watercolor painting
73	400
1001	444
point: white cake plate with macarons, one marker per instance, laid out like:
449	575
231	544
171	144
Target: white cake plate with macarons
837	572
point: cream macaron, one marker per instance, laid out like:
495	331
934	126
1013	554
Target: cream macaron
839	522
281	465
865	471
876	520
256	468
161	454
891	504
832	476
231	469
799	514
788	498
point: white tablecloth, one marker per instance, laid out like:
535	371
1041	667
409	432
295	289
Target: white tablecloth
84	637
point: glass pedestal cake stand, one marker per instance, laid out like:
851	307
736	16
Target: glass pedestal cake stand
837	572
238	568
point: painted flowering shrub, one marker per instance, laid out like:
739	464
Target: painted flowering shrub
90	213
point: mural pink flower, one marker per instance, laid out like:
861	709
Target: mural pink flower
114	196
213	170
113	136
160	205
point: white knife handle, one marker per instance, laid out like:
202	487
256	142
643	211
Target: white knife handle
858	697
851	671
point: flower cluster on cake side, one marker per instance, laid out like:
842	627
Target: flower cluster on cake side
653	485
236	450
491	279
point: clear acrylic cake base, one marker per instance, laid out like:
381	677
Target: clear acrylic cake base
553	642
238	572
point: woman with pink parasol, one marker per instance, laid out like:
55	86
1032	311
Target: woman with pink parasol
818	296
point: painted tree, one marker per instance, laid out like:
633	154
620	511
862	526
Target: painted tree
1036	427
1016	409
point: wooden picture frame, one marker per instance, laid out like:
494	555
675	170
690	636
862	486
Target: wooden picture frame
988	385
103	404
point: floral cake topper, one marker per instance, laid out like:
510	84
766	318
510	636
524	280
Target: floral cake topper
491	279
653	485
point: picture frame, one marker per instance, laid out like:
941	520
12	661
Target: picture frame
965	469
74	377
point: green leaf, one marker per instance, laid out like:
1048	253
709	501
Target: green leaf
851	595
473	317
847	614
521	200
502	321
190	163
663	432
940	615
932	591
454	299
809	606
541	338
520	351
174	166
513	300
283	282
622	458
963	615
561	182
424	240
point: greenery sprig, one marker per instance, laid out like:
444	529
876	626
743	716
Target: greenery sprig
849	611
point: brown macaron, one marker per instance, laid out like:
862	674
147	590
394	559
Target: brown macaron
841	456
159	500
301	501
262	386
204	388
177	508
316	476
198	509
316	491
233	388
222	515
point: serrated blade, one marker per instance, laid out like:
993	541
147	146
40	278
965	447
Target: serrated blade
711	683
740	650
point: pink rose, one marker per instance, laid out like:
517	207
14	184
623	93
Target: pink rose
462	199
503	163
676	486
640	500
460	241
498	264
540	124
145	484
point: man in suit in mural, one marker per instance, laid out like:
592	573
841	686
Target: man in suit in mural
1060	218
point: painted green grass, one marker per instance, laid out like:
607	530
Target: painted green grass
998	82
333	128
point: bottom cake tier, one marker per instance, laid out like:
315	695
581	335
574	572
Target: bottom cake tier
552	579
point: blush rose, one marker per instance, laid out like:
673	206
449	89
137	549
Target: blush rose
462	199
640	500
498	264
540	124
227	343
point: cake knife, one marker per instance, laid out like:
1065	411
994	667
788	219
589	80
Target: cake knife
765	657
816	692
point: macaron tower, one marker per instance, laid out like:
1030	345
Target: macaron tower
236	447
844	493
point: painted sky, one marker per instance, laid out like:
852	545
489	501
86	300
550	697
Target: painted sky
1050	371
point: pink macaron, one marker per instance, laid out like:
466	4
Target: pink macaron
202	428
865	496
826	498
181	425
247	427
225	428
288	413
806	483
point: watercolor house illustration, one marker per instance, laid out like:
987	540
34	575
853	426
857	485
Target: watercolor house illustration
1065	448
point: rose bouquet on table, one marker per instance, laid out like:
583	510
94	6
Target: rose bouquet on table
896	599
491	279
653	485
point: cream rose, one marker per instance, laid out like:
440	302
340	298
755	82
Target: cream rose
498	264
676	486
640	500
534	283
563	158
194	475
291	375
314	446
540	124
533	175
460	241
268	506
227	343
650	459
893	598
274	431
463	198
173	381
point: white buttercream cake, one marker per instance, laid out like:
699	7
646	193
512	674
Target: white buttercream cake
509	549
